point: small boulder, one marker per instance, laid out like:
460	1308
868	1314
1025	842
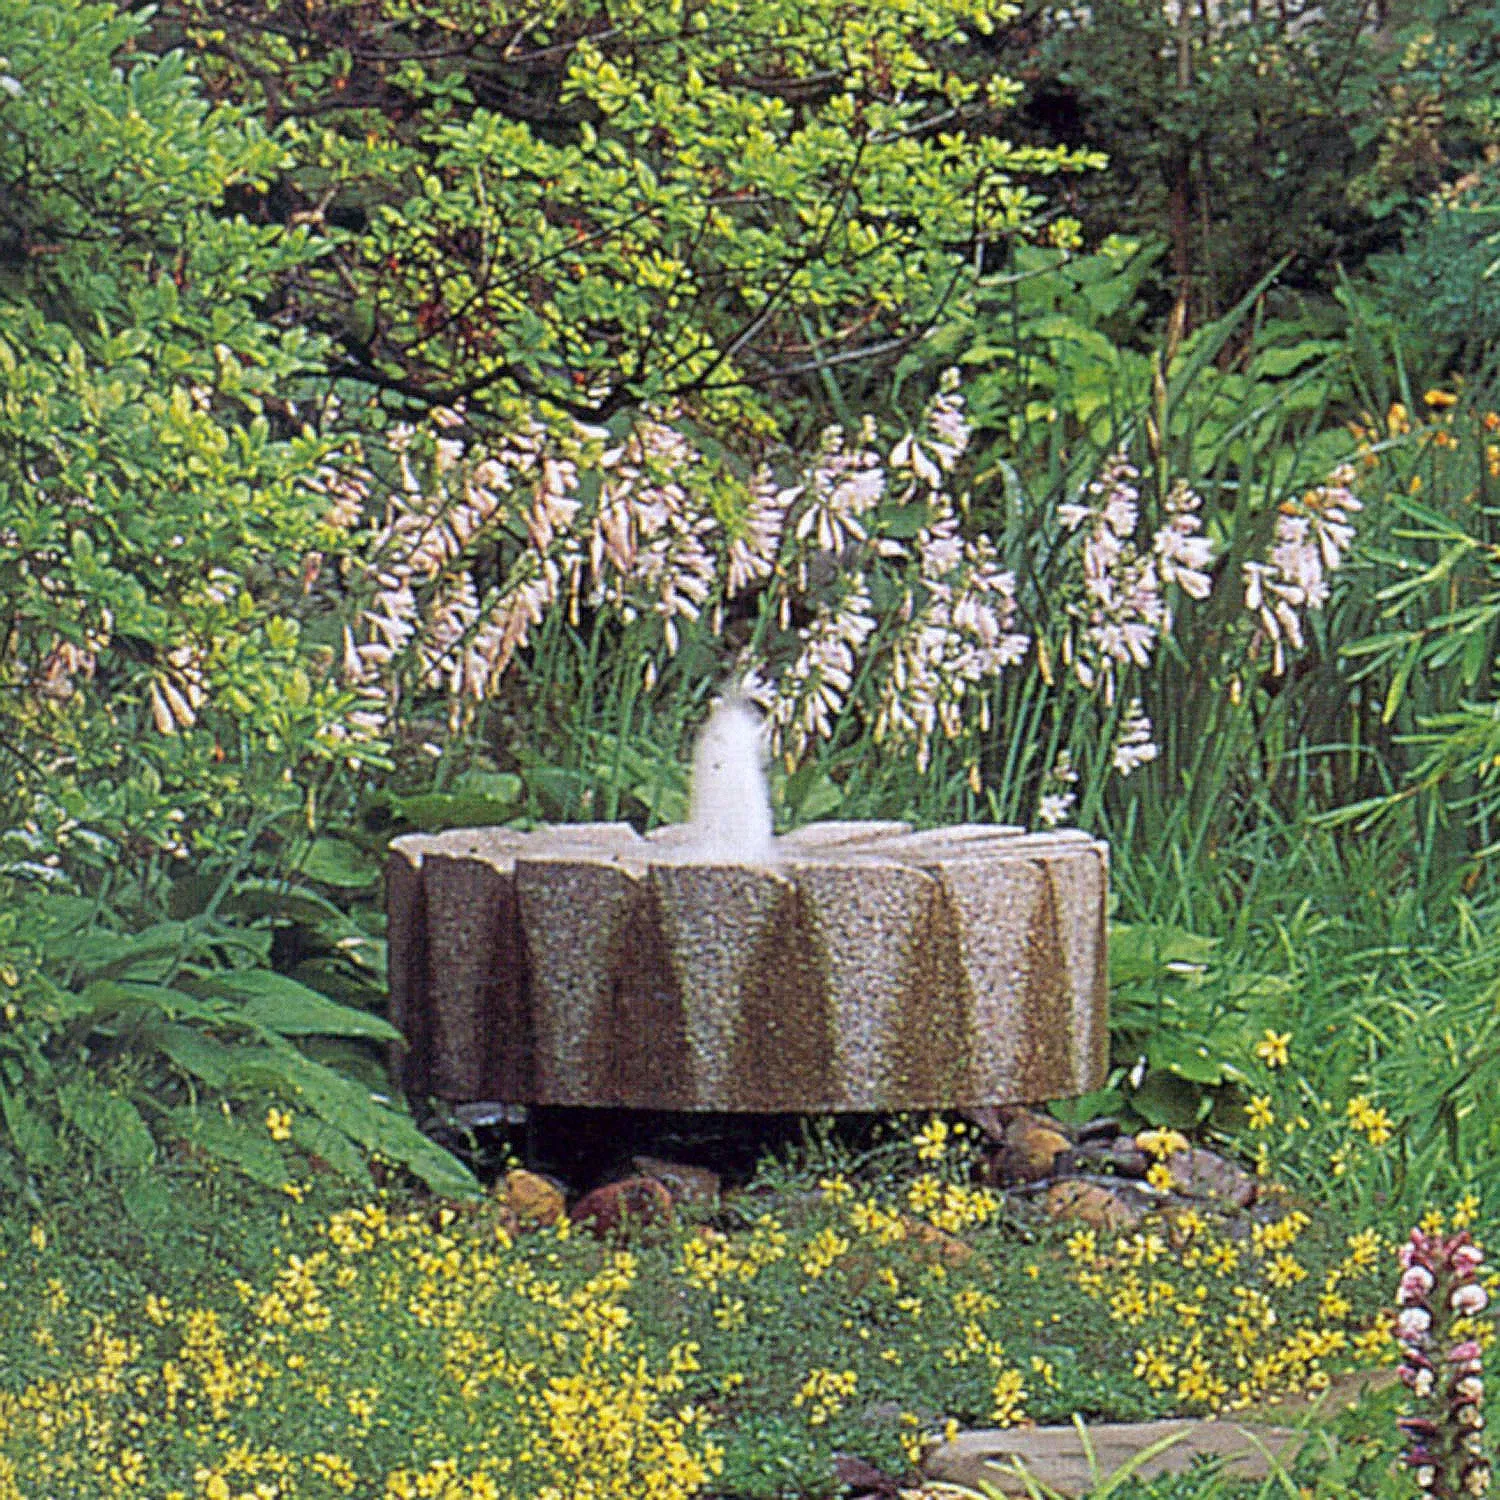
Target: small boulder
1197	1173
1092	1204
932	1245
1029	1155
697	1186
536	1201
637	1201
1058	1462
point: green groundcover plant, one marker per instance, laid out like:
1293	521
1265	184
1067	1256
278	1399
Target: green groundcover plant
844	1305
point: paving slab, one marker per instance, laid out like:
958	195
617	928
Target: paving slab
1055	1456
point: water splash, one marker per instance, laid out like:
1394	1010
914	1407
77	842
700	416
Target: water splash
731	808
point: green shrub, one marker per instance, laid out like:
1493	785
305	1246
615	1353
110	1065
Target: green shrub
162	694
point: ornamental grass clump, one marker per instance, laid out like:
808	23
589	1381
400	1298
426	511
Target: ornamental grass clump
1440	1298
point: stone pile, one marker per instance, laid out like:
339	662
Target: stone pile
1098	1173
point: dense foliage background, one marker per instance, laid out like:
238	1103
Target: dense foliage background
412	413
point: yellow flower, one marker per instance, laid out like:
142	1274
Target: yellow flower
730	1314
279	1123
932	1140
1160	1177
1065	234
1152	1366
1440	398
1082	1246
1285	1270
1162	1143
1260	1115
1010	1397
1334	1306
1375	1122
1466	1211
822	1251
824	1393
1272	1048
1373	1343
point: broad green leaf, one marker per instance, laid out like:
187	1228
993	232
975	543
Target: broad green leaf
376	1127
1145	951
282	1005
32	1135
434	811
202	1056
109	1120
269	898
499	786
245	1143
108	955
1166	1099
106	998
339	863
322	1140
150	1204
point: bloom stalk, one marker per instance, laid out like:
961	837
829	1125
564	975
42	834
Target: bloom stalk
1442	1365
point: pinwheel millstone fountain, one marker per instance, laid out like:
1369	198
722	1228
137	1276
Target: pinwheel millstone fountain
861	966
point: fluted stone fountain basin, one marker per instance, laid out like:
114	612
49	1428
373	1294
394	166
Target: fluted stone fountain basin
862	967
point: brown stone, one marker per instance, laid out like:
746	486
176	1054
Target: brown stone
1121	1156
635	1201
933	1246
1055	1457
698	1186
866	967
1032	1146
1094	1205
536	1201
1205	1174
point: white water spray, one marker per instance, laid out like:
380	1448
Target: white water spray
731	817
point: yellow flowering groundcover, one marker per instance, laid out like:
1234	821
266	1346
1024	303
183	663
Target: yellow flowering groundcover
399	1352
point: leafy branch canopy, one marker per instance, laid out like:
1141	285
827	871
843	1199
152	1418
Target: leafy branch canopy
608	206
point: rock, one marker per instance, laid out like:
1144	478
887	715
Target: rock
1197	1173
991	1120
536	1201
1120	1157
1125	1158
1028	1156
698	1186
1054	1456
869	1482
1094	1205
1020	1123
1105	1128
924	1243
636	1201
486	1114
933	1245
